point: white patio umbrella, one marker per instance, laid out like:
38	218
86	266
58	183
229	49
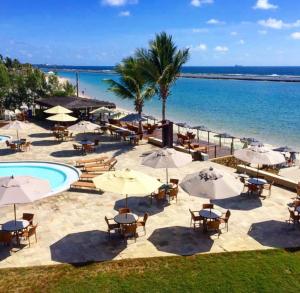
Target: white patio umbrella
62	118
166	158
127	182
211	183
22	189
17	125
102	110
84	126
58	110
259	155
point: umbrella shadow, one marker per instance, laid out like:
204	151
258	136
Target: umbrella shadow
140	205
47	142
7	152
180	240
86	247
66	153
5	252
40	135
241	202
275	234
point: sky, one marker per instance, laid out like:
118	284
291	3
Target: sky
102	32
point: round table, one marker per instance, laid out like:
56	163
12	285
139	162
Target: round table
126	219
210	213
85	142
257	181
12	226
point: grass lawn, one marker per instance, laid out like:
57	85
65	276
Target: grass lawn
255	271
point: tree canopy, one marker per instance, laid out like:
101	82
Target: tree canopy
23	84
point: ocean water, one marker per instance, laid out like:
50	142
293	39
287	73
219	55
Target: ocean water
268	111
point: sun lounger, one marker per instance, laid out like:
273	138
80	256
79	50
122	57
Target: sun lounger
84	162
84	185
89	176
102	168
100	164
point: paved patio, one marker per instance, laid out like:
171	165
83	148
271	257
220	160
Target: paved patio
71	226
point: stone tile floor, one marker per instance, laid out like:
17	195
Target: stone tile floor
71	226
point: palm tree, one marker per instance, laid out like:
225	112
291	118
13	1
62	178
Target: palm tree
131	85
161	65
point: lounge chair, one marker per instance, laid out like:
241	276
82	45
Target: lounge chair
84	162
101	164
89	176
110	167
84	185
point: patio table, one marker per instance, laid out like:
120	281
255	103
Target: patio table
126	219
210	214
15	227
257	181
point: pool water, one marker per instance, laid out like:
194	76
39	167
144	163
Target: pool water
4	138
59	176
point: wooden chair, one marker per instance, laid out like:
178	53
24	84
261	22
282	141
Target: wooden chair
268	187
124	211
6	238
27	233
173	193
111	226
207	206
13	147
129	231
214	226
225	219
293	217
88	148
7	143
26	146
96	142
142	222
174	182
159	196
195	219
28	217
296	203
77	147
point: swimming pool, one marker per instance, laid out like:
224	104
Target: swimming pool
60	176
4	138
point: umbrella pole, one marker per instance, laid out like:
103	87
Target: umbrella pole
15	212
167	175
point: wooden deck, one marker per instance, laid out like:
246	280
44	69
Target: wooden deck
215	151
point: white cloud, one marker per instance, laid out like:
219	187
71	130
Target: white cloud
199	30
215	21
241	42
118	2
198	3
200	47
265	5
296	35
233	33
222	49
278	23
124	13
262	32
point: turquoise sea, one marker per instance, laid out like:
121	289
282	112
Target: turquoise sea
268	111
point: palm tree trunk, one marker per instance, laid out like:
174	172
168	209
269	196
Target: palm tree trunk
163	109
140	122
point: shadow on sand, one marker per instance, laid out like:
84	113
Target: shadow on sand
275	234
86	247
140	205
41	135
46	142
241	202
181	240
